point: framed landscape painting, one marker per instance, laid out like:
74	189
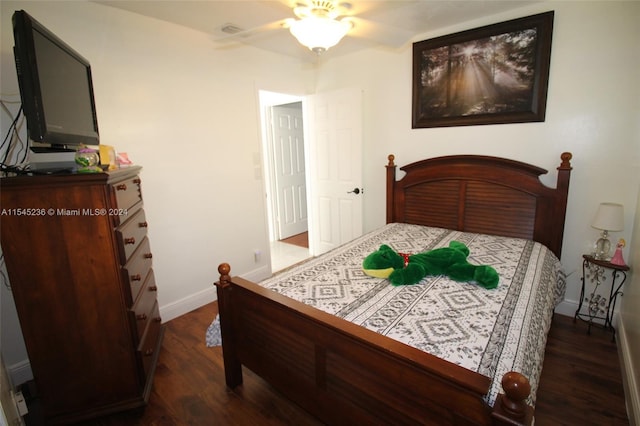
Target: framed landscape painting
495	74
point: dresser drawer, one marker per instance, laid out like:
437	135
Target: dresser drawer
131	234
144	305
135	271
127	198
128	192
149	346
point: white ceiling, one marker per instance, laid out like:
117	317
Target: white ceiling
377	23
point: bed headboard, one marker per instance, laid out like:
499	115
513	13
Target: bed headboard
481	194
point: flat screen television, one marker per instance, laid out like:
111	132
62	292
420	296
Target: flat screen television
55	86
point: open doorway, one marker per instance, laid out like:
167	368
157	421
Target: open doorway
332	163
285	178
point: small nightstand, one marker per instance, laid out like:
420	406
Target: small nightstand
597	306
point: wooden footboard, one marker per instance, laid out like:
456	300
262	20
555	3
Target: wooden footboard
345	374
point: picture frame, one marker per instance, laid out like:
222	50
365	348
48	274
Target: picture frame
495	74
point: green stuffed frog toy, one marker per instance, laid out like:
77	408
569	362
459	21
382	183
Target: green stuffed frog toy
402	269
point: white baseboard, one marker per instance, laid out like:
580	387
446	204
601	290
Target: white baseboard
259	274
631	386
567	308
201	298
9	413
20	372
187	304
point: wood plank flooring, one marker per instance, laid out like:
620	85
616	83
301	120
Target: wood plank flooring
581	382
301	240
580	385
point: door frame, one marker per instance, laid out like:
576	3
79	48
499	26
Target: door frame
291	202
267	100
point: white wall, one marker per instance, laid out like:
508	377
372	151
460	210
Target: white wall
187	113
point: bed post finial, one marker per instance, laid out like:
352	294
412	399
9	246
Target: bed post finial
391	157
566	161
511	408
224	269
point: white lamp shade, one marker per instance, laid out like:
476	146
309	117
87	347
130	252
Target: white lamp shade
319	33
609	217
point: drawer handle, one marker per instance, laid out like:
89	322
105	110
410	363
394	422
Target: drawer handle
143	224
136	277
148	352
153	288
121	187
137	181
147	255
130	240
141	317
157	319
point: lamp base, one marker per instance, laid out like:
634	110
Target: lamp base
603	247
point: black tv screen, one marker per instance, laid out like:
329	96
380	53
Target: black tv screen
55	86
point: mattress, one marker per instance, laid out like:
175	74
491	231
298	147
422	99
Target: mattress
487	331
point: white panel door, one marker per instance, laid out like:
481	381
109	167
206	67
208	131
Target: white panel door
289	173
335	153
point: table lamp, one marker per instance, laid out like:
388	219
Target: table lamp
609	217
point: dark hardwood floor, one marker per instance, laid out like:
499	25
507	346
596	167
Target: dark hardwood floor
581	383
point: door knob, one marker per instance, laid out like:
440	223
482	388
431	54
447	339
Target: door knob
355	191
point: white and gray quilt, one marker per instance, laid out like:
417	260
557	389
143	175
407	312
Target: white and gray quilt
487	331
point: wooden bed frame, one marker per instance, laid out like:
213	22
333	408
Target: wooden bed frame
345	374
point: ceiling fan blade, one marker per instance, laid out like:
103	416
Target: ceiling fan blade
369	8
230	32
380	33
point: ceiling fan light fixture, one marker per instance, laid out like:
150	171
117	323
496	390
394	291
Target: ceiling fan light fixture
319	33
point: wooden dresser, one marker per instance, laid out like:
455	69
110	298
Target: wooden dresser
80	268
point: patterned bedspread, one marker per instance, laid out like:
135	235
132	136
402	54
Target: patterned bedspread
488	331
